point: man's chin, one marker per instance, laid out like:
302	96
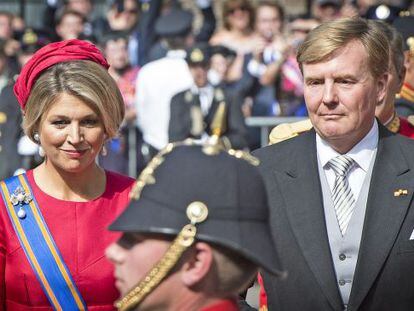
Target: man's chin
330	131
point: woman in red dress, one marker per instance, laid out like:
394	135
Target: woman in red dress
71	106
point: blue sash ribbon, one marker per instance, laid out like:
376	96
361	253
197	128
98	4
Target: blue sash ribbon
39	246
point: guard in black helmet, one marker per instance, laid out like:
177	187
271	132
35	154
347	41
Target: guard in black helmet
195	232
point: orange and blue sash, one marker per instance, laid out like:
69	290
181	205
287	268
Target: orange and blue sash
39	246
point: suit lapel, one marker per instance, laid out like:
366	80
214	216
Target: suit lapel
301	189
384	215
187	100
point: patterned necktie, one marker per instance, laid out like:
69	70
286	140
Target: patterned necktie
342	196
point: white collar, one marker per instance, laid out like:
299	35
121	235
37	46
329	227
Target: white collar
207	89
361	153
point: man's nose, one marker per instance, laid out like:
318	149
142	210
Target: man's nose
329	94
114	253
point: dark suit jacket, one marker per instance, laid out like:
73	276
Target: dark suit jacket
384	275
180	120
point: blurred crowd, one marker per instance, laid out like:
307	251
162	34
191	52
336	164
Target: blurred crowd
178	65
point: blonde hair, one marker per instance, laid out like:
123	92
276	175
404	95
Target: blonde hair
329	37
84	79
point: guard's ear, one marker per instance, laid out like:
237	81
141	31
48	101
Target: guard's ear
197	267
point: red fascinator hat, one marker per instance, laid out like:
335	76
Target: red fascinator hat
49	55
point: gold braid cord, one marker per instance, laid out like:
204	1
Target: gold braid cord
147	175
213	147
183	241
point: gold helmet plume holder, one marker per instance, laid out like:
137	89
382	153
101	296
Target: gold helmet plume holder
197	212
218	127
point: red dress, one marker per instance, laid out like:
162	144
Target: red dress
80	232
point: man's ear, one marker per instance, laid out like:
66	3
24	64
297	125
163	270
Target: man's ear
382	84
198	266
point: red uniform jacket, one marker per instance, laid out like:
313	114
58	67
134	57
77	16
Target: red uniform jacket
406	128
223	305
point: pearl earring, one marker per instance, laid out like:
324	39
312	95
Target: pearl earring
41	151
36	137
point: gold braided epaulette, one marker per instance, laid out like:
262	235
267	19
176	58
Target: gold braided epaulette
394	125
410	120
285	131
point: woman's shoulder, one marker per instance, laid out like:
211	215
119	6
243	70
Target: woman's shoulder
118	182
118	188
220	37
234	42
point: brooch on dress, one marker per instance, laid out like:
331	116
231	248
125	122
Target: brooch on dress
20	197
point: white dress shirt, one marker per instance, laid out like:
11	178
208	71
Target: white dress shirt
362	153
157	83
206	95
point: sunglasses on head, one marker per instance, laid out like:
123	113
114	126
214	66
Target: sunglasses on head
240	8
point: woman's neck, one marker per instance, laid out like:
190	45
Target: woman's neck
71	186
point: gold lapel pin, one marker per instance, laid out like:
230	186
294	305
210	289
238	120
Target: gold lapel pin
399	192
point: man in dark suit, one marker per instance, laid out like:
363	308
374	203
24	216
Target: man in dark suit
193	111
340	194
